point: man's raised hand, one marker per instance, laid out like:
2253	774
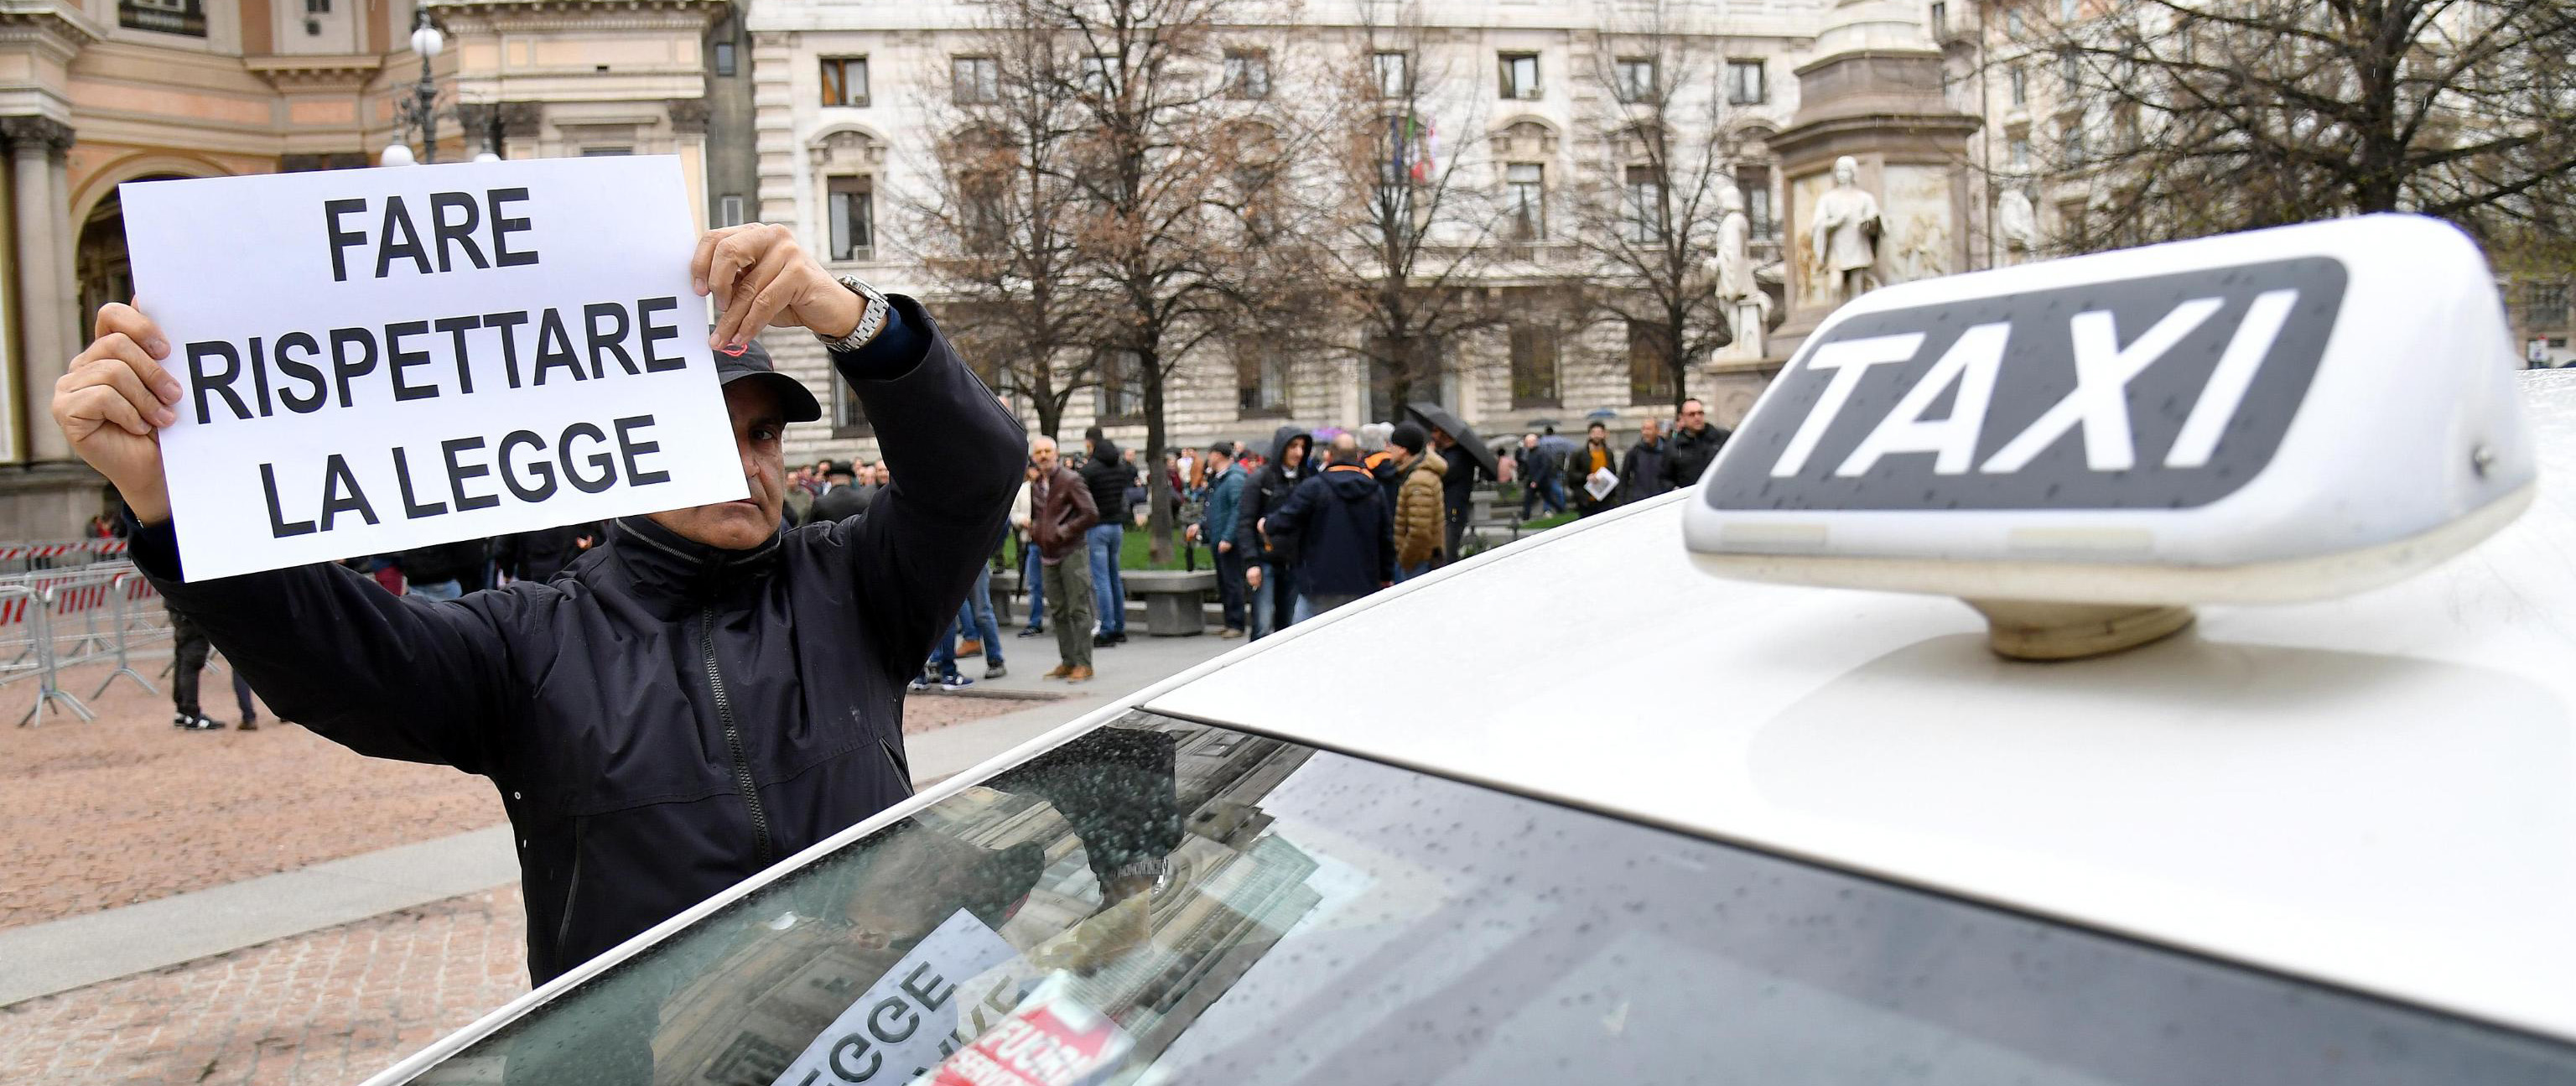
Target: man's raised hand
761	276
113	402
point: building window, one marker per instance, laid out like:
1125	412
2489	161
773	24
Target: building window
606	152
845	81
2020	83
163	16
317	7
2020	154
1633	78
1260	378
1525	196
1754	182
1650	371
2544	304
1533	366
975	80
1520	76
1097	70
2071	136
2012	22
2070	70
1394	71
1122	385
729	209
1645	217
851	210
987	225
1940	20
724	55
1744	83
848	418
2067	10
1247	73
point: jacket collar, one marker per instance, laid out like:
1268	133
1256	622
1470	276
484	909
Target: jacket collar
660	563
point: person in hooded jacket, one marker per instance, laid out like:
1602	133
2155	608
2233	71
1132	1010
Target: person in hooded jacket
1641	475
1344	533
694	700
1273	596
1109	475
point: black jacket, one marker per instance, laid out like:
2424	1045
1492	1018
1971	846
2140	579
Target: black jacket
667	718
1108	480
1267	490
1687	456
1641	475
1344	532
461	561
838	504
539	555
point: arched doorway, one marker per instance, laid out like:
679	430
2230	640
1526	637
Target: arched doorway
106	275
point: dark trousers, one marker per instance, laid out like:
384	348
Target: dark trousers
1230	588
191	653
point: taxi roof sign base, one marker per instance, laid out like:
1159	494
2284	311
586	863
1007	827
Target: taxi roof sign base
2027	630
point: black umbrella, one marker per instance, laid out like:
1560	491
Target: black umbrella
1439	418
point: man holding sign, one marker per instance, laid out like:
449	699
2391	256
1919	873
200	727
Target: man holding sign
697	698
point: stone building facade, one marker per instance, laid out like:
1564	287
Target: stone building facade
846	103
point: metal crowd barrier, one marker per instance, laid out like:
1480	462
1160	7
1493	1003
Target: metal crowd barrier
40	555
56	620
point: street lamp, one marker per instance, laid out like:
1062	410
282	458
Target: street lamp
422	109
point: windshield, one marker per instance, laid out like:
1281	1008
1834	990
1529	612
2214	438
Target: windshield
1162	901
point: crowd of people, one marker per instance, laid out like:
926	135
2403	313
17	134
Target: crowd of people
1595	476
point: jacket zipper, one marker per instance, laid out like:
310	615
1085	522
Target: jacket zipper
572	891
733	740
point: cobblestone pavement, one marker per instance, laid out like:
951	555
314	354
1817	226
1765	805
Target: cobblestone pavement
327	1007
126	808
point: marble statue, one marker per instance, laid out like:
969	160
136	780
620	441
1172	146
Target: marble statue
1846	234
2016	223
1738	296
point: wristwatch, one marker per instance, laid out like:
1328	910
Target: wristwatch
870	320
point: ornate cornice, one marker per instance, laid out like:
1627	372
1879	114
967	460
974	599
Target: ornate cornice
60	28
304	72
689	115
461	16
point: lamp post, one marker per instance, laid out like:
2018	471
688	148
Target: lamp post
422	109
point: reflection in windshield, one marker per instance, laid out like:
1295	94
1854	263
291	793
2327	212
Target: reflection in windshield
1165	902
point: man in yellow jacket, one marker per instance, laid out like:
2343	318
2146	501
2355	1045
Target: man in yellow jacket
1421	522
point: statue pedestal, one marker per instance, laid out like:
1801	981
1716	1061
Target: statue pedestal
1877	100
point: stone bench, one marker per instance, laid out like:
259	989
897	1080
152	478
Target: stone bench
1174	600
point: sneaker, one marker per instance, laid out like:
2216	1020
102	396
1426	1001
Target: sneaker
1103	641
1034	631
1230	633
250	723
189	723
1119	638
919	683
955	682
996	671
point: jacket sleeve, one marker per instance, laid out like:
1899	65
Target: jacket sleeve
1086	512
1249	509
956	455
1385	542
387	676
1290	516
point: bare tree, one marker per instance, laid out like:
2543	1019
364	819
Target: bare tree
1647	217
1409	210
2177	118
1158	163
998	224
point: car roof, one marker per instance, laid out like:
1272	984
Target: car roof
2377	791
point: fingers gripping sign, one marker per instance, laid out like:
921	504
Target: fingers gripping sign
760	276
113	401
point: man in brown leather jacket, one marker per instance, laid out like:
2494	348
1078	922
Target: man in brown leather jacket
1060	511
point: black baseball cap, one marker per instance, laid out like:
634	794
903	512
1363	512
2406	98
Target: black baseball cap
752	363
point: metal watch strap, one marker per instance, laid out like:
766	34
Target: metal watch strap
870	320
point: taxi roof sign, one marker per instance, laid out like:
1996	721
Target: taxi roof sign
2271	416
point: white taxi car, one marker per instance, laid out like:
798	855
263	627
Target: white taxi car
2252	758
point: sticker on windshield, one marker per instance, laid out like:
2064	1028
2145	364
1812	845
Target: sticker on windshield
1051	1040
898	1027
2158	392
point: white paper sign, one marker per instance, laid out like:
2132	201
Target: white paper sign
900	1026
389	358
